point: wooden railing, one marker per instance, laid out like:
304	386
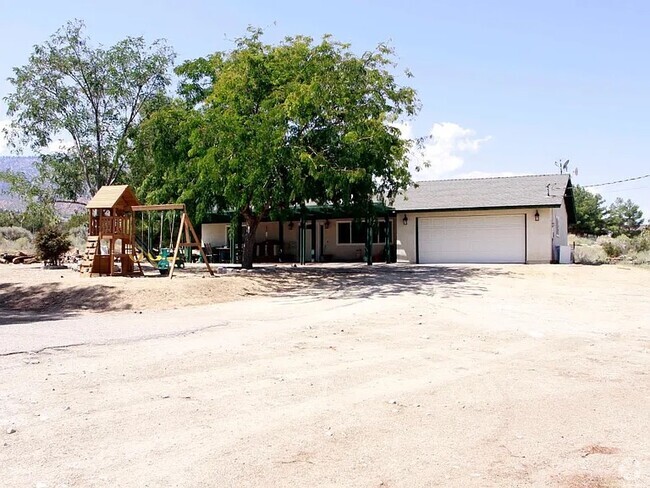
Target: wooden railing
113	226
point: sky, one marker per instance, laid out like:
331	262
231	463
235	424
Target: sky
506	87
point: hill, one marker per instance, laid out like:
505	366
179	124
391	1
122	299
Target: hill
18	164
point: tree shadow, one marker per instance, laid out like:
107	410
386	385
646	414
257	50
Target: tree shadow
356	281
52	301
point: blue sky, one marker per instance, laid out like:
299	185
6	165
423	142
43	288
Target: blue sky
506	87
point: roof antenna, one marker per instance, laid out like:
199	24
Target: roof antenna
563	165
548	190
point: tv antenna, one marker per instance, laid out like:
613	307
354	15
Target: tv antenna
563	165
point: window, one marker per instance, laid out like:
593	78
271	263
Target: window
355	233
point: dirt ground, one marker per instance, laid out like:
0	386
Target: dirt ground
382	376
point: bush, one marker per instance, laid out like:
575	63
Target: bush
592	255
642	257
641	243
615	247
15	233
51	243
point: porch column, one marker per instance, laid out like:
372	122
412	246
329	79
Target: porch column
368	243
387	238
301	240
312	253
281	239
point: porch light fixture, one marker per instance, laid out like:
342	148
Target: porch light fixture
290	225
405	220
536	216
327	224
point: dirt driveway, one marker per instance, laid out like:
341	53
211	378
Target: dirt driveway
370	377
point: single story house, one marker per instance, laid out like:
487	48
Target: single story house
518	219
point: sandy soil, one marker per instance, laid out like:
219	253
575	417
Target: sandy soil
335	376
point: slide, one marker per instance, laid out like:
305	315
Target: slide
142	247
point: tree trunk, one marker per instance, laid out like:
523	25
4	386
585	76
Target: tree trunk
248	251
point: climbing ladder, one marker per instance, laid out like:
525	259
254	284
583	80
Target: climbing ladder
88	257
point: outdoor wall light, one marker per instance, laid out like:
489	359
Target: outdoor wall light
536	216
290	226
327	224
405	220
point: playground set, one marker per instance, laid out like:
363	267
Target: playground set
113	248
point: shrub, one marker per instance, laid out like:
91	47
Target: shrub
615	246
593	255
641	242
51	242
15	233
642	257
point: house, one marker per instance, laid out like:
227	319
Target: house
519	219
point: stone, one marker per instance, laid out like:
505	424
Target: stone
11	430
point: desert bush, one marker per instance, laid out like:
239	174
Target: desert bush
15	233
51	243
641	257
589	255
615	246
641	242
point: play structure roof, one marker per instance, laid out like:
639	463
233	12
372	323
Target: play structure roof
109	196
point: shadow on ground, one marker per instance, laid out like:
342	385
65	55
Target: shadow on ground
373	281
51	301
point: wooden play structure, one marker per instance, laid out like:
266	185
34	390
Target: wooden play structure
111	248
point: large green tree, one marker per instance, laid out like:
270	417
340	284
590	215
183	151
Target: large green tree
89	96
590	212
624	217
281	125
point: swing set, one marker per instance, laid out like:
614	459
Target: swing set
112	244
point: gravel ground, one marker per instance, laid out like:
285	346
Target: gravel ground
472	376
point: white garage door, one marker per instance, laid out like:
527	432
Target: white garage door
486	239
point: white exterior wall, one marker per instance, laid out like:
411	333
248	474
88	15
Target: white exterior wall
561	231
214	234
538	234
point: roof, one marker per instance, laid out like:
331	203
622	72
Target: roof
486	193
108	196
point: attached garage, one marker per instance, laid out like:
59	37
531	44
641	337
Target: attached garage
519	219
472	239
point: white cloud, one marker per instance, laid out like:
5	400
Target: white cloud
445	149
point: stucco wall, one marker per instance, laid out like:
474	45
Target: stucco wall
539	234
560	232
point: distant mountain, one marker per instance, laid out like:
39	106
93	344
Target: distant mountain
17	164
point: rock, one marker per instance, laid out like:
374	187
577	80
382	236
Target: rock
393	402
164	396
11	430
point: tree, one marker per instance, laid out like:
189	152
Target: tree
590	212
51	242
280	125
624	217
92	96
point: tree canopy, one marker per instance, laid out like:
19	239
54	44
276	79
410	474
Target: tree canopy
624	217
91	96
590	212
263	128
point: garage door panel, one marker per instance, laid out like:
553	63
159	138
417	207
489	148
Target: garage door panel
485	239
